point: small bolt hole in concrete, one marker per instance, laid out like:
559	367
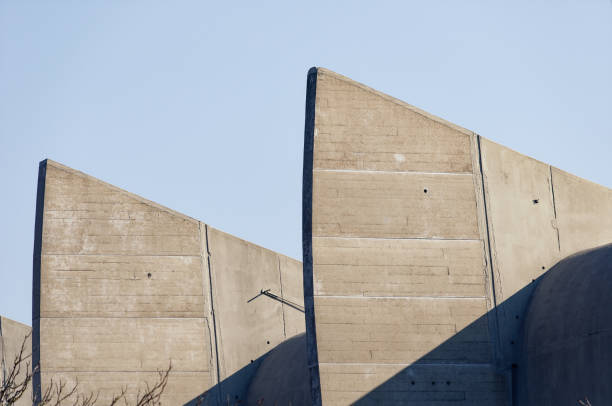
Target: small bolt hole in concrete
536	201
149	275
424	190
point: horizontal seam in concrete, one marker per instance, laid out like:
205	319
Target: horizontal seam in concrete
412	364
121	255
399	297
399	238
122	317
394	172
123	372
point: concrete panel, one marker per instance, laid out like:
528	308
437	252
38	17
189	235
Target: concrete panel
395	271
348	204
116	285
400	330
180	384
360	129
416	384
408	218
123	344
584	212
123	285
246	330
12	336
523	234
398	267
293	292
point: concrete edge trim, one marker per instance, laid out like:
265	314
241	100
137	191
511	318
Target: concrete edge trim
36	280
312	355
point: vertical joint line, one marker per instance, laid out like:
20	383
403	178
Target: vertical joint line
490	252
280	277
212	308
552	189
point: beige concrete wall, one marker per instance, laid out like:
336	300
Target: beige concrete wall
537	216
425	239
398	262
12	336
125	287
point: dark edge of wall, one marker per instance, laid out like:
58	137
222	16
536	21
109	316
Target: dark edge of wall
2	362
38	230
495	326
312	356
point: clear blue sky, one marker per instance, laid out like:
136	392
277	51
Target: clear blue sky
199	106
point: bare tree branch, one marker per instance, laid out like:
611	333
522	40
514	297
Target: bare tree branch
16	380
151	395
14	383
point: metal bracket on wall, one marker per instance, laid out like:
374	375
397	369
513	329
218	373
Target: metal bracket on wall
267	292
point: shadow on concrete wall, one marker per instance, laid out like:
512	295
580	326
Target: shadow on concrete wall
468	368
279	377
473	367
232	391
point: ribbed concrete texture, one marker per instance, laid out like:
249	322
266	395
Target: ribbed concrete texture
421	242
12	336
123	286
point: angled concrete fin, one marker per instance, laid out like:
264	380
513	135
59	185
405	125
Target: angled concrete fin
421	243
123	286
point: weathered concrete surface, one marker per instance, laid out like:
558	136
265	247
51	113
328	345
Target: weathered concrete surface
123	286
537	215
12	336
568	333
398	265
421	242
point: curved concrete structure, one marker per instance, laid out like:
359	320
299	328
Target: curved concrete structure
568	333
282	377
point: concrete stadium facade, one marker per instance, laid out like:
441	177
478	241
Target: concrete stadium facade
423	242
123	286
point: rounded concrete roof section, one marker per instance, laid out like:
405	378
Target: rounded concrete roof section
568	333
282	377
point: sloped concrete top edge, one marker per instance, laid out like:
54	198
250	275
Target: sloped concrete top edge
566	173
132	195
156	205
324	71
4	319
417	110
251	243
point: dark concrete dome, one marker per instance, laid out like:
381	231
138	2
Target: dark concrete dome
567	347
283	377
